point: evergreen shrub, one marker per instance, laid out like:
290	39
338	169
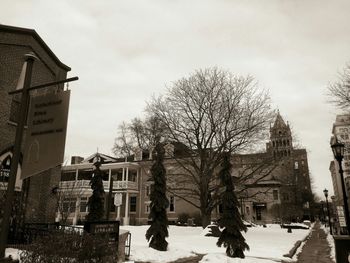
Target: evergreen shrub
70	247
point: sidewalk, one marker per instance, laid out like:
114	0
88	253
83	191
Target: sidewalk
316	248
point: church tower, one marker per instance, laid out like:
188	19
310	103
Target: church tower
280	144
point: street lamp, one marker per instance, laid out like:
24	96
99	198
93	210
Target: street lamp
322	209
338	152
325	191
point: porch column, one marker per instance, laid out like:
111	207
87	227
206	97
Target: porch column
126	217
77	206
118	212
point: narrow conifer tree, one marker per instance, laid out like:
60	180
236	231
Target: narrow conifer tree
95	203
158	230
231	237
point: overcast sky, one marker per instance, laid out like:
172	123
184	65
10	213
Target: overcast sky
126	51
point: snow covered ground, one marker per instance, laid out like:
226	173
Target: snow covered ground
266	245
330	242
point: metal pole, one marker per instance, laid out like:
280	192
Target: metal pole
16	156
109	197
329	217
323	216
345	199
44	85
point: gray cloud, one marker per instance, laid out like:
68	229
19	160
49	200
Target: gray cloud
125	51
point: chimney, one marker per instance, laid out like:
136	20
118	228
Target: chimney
138	154
169	150
76	159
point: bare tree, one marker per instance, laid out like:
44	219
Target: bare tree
123	143
67	199
210	112
142	134
340	90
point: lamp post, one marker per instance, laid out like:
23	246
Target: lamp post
338	152
325	191
322	209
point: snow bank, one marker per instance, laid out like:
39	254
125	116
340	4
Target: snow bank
267	244
13	252
330	241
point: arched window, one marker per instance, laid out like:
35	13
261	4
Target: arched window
5	169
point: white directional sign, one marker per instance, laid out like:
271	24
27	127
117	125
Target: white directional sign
118	199
340	212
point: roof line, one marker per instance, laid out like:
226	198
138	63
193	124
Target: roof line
33	33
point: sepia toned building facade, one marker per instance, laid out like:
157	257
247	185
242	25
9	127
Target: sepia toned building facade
271	186
341	131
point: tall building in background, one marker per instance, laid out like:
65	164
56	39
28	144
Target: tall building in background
341	131
34	195
280	190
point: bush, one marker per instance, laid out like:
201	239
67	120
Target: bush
183	218
197	219
68	246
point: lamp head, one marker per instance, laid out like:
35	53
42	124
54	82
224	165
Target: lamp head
338	149
325	191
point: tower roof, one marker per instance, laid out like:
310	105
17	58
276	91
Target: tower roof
279	122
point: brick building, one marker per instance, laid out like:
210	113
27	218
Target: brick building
271	186
34	195
279	187
341	130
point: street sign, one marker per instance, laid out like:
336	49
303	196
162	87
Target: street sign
46	134
118	199
340	212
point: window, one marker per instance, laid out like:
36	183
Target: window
132	203
172	204
68	176
117	174
84	174
285	197
148	190
296	165
5	169
275	194
132	176
68	205
147	208
84	205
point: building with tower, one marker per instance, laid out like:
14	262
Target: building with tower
271	186
278	188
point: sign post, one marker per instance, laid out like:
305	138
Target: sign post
23	112
16	155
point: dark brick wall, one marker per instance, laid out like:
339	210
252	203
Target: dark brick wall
14	44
